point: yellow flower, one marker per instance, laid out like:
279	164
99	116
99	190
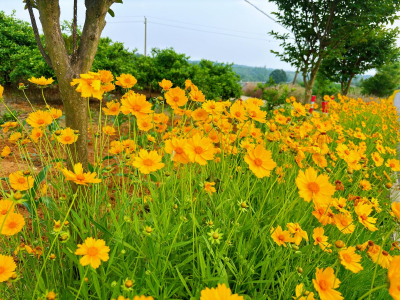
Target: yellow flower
5	152
302	294
56	113
209	187
145	124
365	185
15	137
7	267
126	81
41	81
199	149
377	158
213	108
36	134
325	283
39	118
281	237
142	298
260	161
394	278
197	96
79	177
254	112
67	136
93	251
238	111
89	85
320	239
112	109
176	147
350	259
394	164
1	91
344	222
136	104
165	84
363	211
299	234
176	97
6	206
11	223
312	186
221	292
396	209
20	182
108	130
148	162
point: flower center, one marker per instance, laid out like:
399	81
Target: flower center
67	138
40	121
212	106
313	187
21	180
364	217
323	285
392	165
319	239
258	162
80	177
92	251
148	162
12	225
176	99
215	235
3	212
178	150
198	150
136	107
344	222
281	237
238	114
347	258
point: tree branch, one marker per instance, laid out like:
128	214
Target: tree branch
37	36
74	38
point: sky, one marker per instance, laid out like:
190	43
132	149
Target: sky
228	31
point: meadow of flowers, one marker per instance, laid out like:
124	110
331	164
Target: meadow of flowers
188	198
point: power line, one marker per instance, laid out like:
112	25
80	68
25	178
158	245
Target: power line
206	31
125	22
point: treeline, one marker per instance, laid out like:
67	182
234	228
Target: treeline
20	59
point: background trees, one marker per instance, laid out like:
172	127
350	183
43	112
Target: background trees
278	76
384	82
321	28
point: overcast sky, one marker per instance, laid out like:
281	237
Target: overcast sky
229	31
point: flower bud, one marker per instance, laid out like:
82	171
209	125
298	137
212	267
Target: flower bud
339	244
300	270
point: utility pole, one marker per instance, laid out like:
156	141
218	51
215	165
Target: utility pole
145	35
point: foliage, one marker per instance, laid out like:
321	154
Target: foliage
324	86
19	56
273	93
216	80
384	82
371	52
278	76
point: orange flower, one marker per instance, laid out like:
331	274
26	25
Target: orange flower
320	239
126	81
394	164
41	81
396	209
67	136
112	109
79	177
260	161
199	149
344	222
363	211
394	278
36	134
197	96
145	124
222	292
5	152
209	187
7	267
213	108
176	97
299	234
89	85
350	260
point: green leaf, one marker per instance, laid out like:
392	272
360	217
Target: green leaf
111	12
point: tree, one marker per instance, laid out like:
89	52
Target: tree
321	27
372	52
384	82
68	66
278	76
216	80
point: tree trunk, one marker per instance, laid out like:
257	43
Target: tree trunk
346	90
309	84
68	67
295	76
